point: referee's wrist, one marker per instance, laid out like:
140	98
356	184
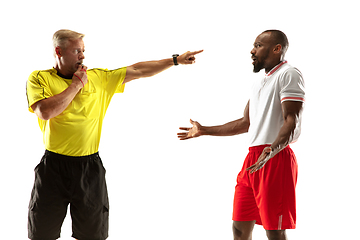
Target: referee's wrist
174	57
77	85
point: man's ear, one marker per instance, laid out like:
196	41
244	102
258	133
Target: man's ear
277	48
58	51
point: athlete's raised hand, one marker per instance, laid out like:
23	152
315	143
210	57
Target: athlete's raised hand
188	57
192	132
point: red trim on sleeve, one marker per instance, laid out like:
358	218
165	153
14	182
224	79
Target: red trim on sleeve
293	98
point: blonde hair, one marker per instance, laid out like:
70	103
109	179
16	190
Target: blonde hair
62	36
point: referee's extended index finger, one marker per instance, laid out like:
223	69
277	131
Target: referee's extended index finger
196	52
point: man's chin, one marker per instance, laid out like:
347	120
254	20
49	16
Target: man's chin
257	68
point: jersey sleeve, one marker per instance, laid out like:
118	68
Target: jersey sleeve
37	88
292	86
113	80
116	79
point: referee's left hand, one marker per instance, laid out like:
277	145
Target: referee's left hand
263	158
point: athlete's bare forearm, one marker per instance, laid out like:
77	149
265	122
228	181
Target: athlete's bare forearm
232	128
291	111
284	138
286	133
229	129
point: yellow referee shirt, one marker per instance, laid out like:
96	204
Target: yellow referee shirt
76	131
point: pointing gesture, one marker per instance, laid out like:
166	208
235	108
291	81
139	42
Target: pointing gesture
188	57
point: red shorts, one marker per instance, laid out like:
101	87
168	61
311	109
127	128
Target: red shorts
268	195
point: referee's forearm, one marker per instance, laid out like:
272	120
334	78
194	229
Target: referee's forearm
151	68
55	105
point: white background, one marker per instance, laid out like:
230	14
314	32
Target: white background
163	188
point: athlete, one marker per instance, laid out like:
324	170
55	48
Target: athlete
70	102
265	190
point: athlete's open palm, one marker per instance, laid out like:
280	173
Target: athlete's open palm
192	132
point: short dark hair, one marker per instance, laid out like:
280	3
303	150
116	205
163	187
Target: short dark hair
279	38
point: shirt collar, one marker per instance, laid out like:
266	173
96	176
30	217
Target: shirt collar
275	68
59	74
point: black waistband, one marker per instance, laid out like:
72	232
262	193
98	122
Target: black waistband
64	157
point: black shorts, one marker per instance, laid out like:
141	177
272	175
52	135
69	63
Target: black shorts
61	180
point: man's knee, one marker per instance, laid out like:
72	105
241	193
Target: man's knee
243	230
276	234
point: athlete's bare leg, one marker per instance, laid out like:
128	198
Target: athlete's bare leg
276	234
243	230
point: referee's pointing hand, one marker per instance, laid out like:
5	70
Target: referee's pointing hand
188	57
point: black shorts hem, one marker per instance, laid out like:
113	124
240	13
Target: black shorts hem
42	238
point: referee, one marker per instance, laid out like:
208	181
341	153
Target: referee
70	102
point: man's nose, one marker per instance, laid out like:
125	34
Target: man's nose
81	56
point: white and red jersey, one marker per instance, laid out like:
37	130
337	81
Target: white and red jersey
282	83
